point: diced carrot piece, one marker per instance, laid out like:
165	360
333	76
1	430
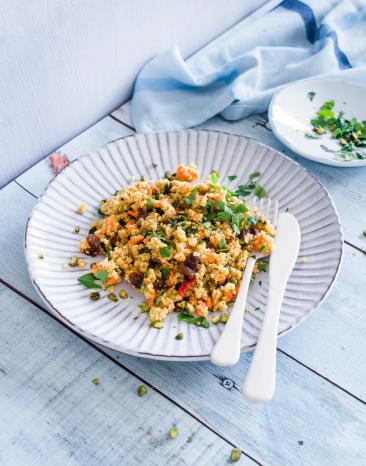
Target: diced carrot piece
209	302
133	213
130	227
111	281
136	239
95	268
186	173
151	300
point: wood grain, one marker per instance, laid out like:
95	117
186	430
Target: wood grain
52	413
305	404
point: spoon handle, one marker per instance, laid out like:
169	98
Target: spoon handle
227	349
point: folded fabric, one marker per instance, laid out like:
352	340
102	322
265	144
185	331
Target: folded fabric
236	75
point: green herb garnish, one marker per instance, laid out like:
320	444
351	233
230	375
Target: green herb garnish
199	321
221	244
164	273
214	177
88	280
311	95
101	275
232	177
262	266
189	200
165	252
350	133
245	190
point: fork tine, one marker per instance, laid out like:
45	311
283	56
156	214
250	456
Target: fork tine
274	212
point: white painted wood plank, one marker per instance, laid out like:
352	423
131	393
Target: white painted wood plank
36	178
52	413
308	422
346	185
305	406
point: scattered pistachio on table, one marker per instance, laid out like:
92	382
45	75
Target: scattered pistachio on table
215	319
173	433
77	229
179	336
224	317
95	381
123	294
235	455
40	256
142	390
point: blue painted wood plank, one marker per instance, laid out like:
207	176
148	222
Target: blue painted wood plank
304	406
52	413
36	178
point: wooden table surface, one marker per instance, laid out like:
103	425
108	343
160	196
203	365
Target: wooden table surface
52	414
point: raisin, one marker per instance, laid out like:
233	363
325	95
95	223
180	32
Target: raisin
94	244
186	271
136	279
192	261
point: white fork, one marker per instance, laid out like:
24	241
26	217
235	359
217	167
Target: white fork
226	352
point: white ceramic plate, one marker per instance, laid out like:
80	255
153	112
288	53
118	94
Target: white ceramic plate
291	110
96	176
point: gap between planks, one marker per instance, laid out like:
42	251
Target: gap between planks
90	343
121	366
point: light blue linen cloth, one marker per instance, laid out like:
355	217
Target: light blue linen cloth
236	75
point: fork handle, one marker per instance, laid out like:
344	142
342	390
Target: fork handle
260	382
226	352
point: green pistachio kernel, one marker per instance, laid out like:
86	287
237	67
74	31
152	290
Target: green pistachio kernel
112	297
224	317
235	455
215	320
94	295
95	381
173	433
123	294
142	390
158	324
73	261
179	336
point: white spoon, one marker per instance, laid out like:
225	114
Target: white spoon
226	351
259	385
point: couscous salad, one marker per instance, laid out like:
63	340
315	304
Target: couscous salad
184	244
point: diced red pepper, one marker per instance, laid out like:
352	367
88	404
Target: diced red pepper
154	189
185	286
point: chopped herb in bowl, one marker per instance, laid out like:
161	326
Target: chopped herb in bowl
349	132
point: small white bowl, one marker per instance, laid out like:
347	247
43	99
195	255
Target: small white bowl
292	108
